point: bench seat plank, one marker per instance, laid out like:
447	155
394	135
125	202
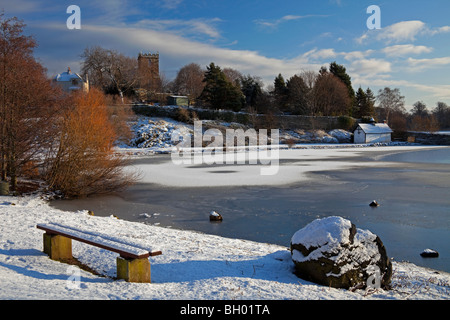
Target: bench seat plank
124	249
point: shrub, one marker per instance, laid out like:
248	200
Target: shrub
84	161
346	122
182	115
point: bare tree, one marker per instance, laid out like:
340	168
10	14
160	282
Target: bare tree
329	96
189	80
309	77
420	109
442	114
422	119
391	101
233	75
110	70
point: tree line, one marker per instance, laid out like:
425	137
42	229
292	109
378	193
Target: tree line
326	92
50	139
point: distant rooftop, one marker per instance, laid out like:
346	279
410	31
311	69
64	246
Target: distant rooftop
375	127
67	76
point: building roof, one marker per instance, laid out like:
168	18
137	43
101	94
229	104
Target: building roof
67	76
375	128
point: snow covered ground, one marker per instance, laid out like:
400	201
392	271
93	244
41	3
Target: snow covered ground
193	266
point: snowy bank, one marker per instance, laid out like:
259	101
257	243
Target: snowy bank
193	265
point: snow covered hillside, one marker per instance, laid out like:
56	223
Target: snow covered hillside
193	265
155	133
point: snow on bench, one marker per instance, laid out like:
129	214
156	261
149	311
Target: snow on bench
125	250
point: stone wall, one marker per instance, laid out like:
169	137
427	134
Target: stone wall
308	122
429	138
264	121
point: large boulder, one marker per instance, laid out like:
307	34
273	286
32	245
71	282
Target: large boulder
333	252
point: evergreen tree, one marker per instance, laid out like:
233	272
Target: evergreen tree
369	109
360	103
364	103
252	89
280	93
297	95
340	72
220	93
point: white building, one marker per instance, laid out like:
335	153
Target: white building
372	132
69	81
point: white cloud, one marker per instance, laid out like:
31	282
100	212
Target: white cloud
183	27
405	49
401	31
171	4
330	53
370	66
315	54
444	29
357	54
397	32
277	22
421	64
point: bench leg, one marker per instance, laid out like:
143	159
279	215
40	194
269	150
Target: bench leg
133	270
57	247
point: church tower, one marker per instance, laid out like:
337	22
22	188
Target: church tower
148	71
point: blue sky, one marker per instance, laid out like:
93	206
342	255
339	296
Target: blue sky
262	38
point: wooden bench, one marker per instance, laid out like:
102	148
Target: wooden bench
132	264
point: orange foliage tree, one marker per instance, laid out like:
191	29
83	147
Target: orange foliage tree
28	103
83	161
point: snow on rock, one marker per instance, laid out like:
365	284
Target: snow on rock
157	133
302	136
215	216
322	231
332	251
341	135
193	266
429	253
